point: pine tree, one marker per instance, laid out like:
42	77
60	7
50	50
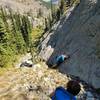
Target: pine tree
49	22
13	24
6	48
69	2
4	18
51	9
46	25
15	21
24	31
58	14
12	38
40	13
62	6
18	22
54	14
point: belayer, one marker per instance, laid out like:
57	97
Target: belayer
73	88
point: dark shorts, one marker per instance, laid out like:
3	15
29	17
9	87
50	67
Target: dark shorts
58	63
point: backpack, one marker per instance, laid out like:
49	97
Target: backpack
62	94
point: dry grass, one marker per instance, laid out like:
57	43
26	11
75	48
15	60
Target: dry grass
15	83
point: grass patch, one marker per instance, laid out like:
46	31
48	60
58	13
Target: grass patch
3	70
10	65
36	36
37	33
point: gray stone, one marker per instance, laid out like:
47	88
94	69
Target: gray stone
78	31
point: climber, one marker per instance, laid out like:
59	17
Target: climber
73	88
60	59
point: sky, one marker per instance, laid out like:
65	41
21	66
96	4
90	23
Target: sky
46	0
53	1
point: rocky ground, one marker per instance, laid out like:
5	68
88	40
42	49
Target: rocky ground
36	83
32	83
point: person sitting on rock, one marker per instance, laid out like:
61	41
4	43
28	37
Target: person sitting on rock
73	88
60	59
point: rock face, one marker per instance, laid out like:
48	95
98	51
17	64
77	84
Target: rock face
77	34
